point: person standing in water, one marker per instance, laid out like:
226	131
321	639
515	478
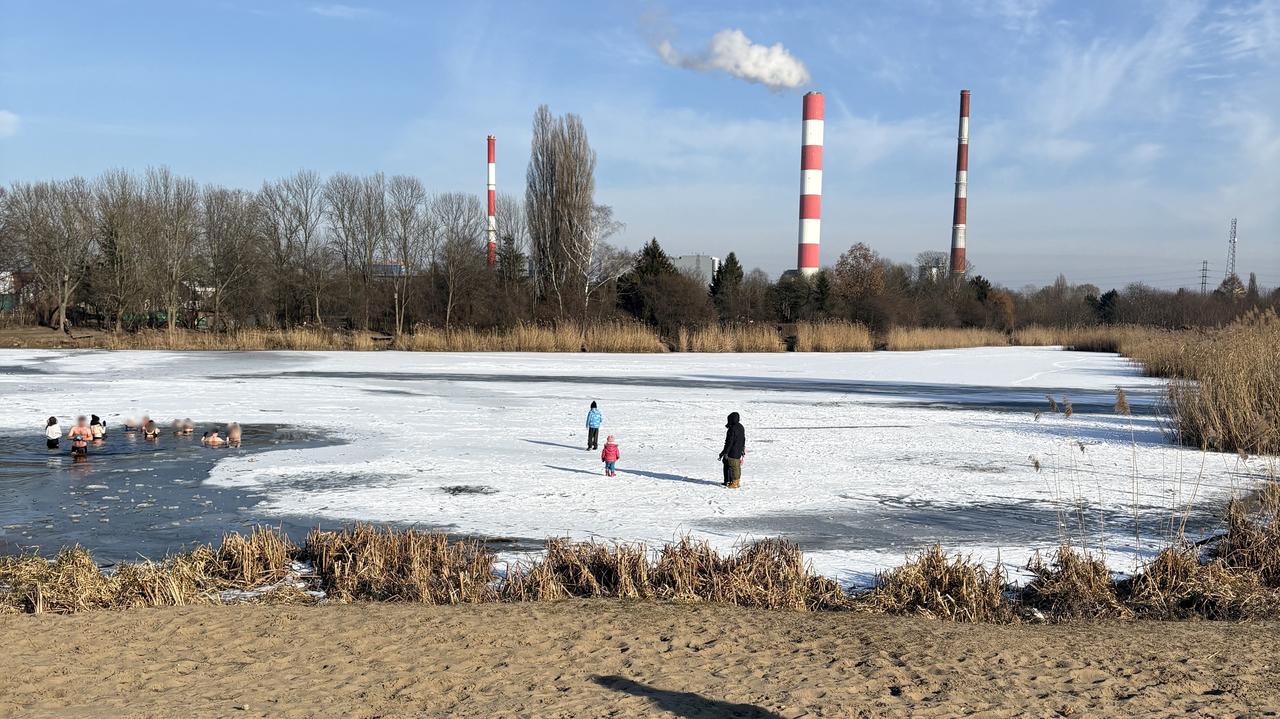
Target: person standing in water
80	436
52	433
735	448
594	420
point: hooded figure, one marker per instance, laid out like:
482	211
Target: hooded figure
594	420
735	448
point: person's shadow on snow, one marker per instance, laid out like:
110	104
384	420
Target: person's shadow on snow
685	704
639	473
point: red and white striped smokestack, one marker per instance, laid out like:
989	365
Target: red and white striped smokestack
959	215
493	205
810	184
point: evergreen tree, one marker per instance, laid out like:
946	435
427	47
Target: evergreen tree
652	264
512	263
1252	294
725	286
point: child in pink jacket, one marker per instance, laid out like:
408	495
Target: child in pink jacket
609	455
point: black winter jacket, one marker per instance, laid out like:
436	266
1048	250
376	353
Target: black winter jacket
735	439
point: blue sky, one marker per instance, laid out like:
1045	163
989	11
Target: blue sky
1110	140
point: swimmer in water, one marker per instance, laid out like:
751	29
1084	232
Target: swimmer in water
80	436
130	424
52	433
150	431
177	427
233	434
98	428
188	427
213	440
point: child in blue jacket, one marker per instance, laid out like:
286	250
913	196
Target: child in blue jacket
594	420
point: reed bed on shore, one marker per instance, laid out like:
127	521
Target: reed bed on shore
734	338
913	339
833	336
1226	393
564	337
1239	578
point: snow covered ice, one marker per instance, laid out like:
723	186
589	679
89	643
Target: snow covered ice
861	458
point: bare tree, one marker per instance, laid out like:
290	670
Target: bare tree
53	222
593	263
119	211
411	236
461	257
560	207
292	213
171	227
229	224
358	222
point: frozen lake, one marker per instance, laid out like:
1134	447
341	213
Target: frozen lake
861	458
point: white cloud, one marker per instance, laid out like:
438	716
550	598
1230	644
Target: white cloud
9	123
732	52
1087	81
1060	149
338	10
1144	153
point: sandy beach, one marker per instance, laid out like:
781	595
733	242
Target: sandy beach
620	659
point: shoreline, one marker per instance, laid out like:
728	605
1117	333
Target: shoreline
602	658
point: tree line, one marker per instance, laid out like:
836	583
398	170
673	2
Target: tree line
154	249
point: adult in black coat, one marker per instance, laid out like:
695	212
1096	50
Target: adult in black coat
735	448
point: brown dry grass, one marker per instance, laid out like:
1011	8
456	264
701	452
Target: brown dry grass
1177	585
833	337
913	339
1073	585
736	338
1226	394
769	574
935	585
384	564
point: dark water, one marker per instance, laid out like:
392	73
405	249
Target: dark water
131	497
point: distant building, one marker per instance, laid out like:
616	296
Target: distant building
702	266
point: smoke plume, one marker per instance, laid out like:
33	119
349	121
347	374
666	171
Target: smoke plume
733	52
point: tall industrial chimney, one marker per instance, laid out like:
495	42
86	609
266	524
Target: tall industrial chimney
960	213
810	185
493	204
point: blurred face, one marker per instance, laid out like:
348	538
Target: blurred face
81	422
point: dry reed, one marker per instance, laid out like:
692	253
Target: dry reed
912	339
368	563
735	338
933	585
1177	585
833	336
1073	585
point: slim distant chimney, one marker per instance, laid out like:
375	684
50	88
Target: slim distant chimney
959	215
810	185
493	204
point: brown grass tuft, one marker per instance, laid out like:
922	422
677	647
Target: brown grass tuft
1177	585
833	336
71	582
368	563
736	338
933	585
1074	585
911	339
